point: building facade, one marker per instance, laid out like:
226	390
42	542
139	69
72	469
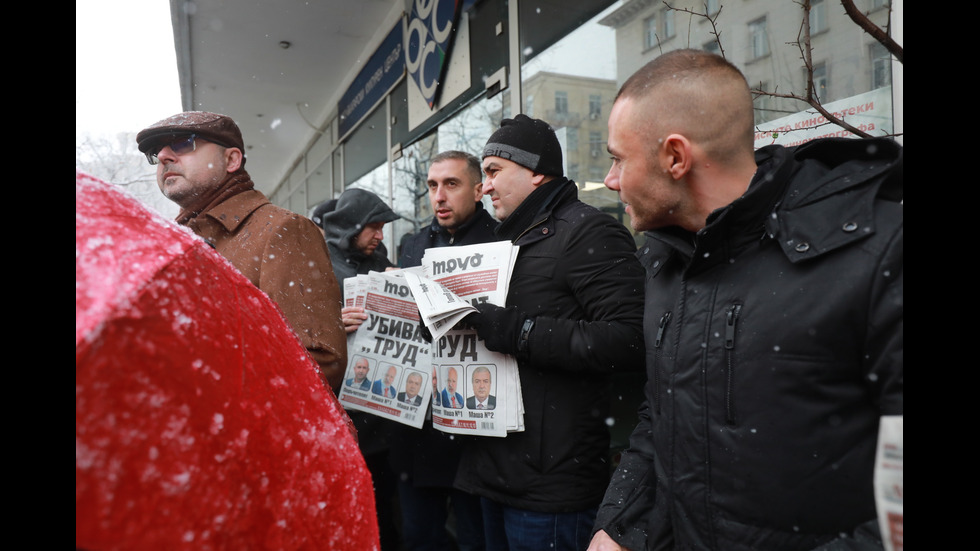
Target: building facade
563	62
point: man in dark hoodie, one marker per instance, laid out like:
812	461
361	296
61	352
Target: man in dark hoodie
201	166
774	321
353	231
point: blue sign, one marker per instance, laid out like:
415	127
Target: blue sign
431	31
380	74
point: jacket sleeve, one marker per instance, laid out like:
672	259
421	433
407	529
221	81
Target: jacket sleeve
633	511
297	274
885	346
600	267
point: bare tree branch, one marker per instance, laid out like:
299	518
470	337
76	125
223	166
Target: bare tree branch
875	31
706	15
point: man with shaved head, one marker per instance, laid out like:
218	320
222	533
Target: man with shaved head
773	321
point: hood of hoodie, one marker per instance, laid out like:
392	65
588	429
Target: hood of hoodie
355	209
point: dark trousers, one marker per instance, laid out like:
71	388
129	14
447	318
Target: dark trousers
385	500
426	511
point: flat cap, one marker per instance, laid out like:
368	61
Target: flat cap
220	129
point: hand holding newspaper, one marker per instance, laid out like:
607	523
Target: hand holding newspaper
389	360
472	390
439	307
478	391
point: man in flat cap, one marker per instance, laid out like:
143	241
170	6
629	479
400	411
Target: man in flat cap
573	316
200	164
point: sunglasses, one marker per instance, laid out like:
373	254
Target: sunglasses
180	146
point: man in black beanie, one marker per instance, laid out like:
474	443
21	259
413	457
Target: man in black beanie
573	316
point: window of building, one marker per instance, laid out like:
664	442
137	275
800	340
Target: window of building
818	16
595	106
650	32
712	6
762	103
875	4
571	134
759	38
712	46
561	103
595	144
821	81
529	106
669	29
881	66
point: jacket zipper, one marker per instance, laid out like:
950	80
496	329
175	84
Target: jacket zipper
731	319
658	345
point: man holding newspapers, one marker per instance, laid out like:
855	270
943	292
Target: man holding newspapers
427	468
573	316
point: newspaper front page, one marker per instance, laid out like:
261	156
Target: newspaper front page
471	390
389	361
478	390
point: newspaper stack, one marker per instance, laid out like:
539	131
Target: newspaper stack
466	371
471	389
391	343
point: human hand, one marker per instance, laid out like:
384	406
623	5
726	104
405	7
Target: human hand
602	542
499	327
353	317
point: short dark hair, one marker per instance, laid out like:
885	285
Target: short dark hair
473	165
705	91
675	65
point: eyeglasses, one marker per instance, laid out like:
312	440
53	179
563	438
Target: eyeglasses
180	146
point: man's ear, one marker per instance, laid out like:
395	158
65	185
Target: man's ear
538	179
676	156
233	158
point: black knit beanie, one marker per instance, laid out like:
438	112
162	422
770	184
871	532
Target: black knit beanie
528	142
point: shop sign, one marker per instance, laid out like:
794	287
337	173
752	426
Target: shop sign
380	74
429	42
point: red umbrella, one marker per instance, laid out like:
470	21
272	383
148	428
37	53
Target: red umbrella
200	420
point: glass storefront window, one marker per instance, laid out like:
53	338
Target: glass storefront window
579	72
466	131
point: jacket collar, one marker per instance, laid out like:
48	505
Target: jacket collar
232	212
464	228
830	202
810	199
536	210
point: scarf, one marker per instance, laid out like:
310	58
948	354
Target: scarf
235	183
527	212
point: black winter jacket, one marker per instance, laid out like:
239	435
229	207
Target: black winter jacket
478	229
577	275
774	343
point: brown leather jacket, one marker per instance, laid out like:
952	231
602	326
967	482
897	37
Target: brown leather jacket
283	254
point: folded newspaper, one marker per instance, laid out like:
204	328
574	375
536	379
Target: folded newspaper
471	390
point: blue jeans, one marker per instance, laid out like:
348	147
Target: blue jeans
510	529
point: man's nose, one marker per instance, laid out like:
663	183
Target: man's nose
611	181
166	154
